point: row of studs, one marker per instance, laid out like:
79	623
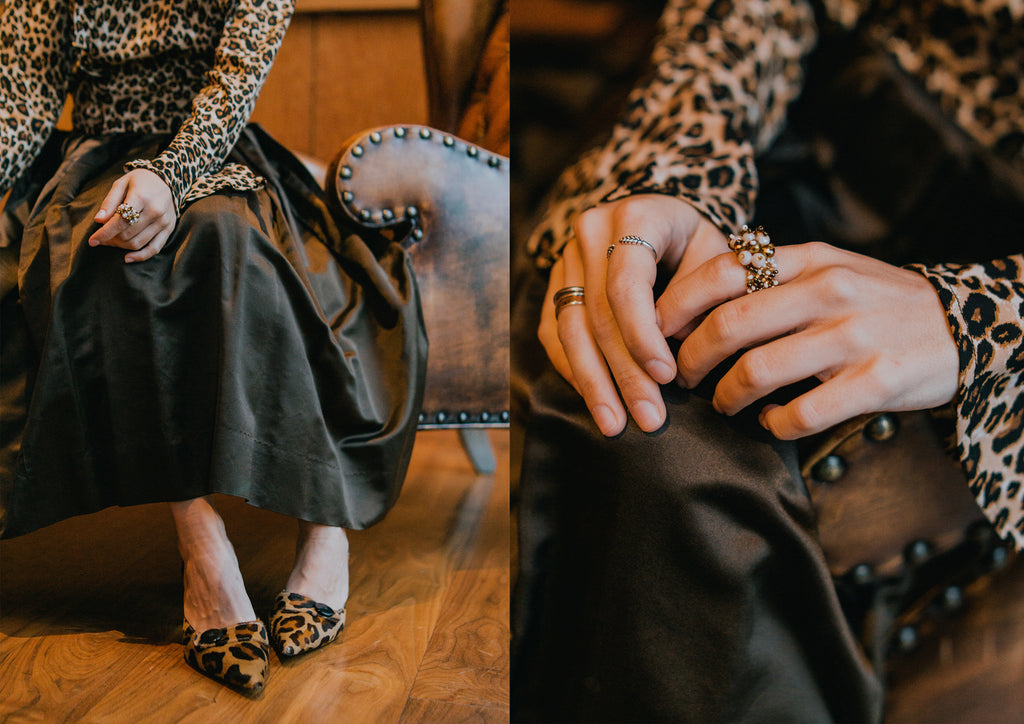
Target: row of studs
411	213
463	418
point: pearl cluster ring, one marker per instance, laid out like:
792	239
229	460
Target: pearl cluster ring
754	250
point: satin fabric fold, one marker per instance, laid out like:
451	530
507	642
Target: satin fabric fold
266	352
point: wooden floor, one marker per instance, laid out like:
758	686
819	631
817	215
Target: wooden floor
90	612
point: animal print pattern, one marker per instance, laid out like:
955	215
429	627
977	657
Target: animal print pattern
983	304
724	72
193	68
299	624
238	656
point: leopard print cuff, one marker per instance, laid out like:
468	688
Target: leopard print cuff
983	305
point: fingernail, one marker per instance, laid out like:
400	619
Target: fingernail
100	215
660	370
93	242
605	419
647	416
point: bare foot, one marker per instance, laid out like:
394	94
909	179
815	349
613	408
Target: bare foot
321	564
215	594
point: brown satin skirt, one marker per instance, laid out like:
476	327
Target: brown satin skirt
266	352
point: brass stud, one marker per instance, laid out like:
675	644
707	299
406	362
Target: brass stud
485	416
449	141
365	215
473	151
357	150
412	212
463	417
425	133
952	598
494	162
829	469
422	418
906	639
504	415
861	574
387	214
917	552
417	234
345	172
347	196
399	132
881	428
375	137
440	417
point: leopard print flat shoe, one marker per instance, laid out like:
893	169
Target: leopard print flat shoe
237	655
299	624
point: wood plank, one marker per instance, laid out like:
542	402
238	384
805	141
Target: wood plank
67	655
367	71
285	105
426	710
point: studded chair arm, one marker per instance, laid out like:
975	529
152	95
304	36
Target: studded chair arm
449	201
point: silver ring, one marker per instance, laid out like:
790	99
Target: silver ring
633	239
128	213
755	251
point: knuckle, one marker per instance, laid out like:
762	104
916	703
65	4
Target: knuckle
840	283
751	371
724	322
805	417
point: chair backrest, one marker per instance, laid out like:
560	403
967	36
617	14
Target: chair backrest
451	199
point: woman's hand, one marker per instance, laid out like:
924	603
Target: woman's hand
147	193
616	338
874	334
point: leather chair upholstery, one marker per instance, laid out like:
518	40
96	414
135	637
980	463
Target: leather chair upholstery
448	200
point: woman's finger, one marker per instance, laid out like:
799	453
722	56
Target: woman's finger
743	322
547	330
836	400
155	245
771	366
593	380
640	392
631	272
112	200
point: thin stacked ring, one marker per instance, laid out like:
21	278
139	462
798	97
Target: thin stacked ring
754	250
568	297
632	239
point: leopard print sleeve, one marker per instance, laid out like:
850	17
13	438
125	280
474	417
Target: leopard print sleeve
191	164
985	310
34	77
723	74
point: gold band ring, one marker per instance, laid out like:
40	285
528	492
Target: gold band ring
568	297
755	251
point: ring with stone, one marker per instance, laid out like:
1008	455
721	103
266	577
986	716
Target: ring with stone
755	251
128	213
568	297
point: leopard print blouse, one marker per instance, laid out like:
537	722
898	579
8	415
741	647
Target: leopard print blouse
725	71
192	68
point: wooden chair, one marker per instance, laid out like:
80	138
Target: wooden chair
447	199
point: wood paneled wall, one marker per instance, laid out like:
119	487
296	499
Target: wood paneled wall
345	65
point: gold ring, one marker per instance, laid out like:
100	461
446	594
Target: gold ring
568	297
754	250
129	214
